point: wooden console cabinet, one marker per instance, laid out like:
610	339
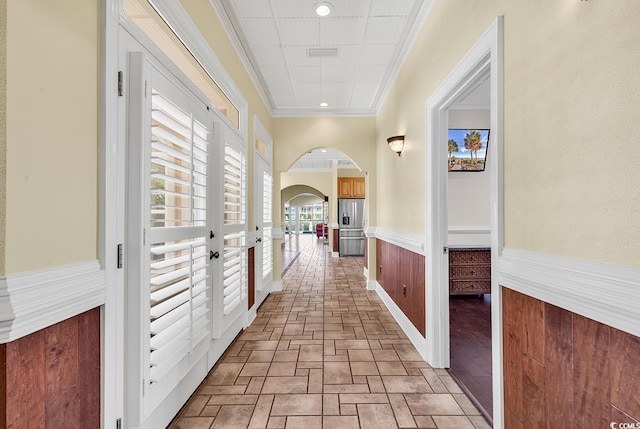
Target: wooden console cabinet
469	270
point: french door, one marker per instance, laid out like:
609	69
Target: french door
264	222
170	238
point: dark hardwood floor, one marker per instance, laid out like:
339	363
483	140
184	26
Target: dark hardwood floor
470	318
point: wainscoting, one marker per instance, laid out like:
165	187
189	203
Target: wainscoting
565	370
51	378
400	272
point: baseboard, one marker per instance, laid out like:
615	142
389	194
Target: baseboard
606	293
335	254
276	286
416	338
371	284
33	300
365	272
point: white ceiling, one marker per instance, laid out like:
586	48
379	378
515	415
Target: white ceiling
370	37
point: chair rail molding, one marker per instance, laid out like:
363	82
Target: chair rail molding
608	294
407	240
33	300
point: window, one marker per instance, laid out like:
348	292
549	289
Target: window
144	15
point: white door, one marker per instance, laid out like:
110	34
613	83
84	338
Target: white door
170	218
264	222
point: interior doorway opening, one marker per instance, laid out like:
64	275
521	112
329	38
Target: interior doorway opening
483	63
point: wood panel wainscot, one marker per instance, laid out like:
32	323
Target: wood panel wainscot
562	369
469	270
400	272
51	378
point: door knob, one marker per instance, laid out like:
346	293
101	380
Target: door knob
213	254
258	240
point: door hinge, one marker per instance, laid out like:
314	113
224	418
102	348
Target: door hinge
120	255
119	423
120	83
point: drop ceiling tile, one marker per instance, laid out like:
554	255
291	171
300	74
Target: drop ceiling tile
306	74
341	31
376	54
299	32
370	73
347	56
391	8
363	94
260	32
338	74
252	8
269	56
295	8
277	79
384	30
297	57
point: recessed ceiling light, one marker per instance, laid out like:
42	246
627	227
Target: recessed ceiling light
323	150
323	104
323	9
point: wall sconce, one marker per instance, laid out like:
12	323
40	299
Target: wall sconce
396	143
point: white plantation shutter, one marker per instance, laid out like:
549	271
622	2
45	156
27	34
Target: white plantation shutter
234	233
267	224
177	237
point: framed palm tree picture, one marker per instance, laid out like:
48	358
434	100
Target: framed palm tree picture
467	149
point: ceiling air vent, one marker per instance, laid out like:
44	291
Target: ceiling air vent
322	52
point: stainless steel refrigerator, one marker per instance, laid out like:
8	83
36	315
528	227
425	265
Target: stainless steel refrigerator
351	226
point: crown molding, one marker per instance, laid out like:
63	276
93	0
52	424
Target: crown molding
33	300
230	23
392	75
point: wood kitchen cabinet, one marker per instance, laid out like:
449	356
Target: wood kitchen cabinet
351	187
469	270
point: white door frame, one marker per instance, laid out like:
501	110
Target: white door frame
485	55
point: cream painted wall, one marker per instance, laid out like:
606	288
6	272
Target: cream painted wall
208	23
468	193
401	180
353	136
571	124
570	95
3	128
51	133
321	181
350	172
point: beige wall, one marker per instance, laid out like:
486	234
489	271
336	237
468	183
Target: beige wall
51	133
3	128
571	121
438	48
208	23
355	137
571	91
322	181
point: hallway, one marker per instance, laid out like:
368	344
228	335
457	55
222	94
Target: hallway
325	352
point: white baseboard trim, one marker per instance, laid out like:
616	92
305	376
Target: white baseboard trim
365	272
335	254
33	300
372	284
407	240
276	286
606	293
416	338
